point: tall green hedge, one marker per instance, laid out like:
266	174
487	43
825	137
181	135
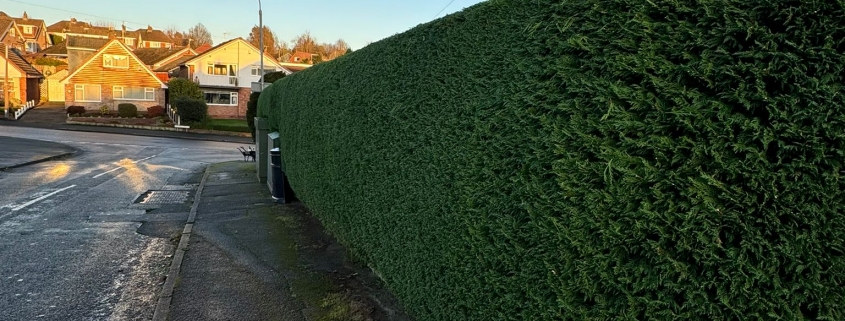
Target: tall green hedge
586	160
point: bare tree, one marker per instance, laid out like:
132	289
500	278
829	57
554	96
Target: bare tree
199	36
172	31
103	23
305	43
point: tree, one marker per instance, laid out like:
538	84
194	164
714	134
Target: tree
199	36
305	43
181	87
270	40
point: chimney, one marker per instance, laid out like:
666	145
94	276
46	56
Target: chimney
72	20
149	28
25	16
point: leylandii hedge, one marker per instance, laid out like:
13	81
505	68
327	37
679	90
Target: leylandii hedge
587	160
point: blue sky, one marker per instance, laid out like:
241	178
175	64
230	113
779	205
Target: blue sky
357	22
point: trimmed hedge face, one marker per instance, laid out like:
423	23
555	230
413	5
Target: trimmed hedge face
191	110
127	110
586	160
155	111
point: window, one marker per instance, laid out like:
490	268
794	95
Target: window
222	69
266	71
130	41
221	98
27	29
31	47
134	93
86	93
115	61
155	44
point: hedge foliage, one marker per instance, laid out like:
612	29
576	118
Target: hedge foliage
155	111
190	109
76	110
586	160
127	110
181	87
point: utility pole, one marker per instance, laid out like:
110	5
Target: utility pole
6	84
261	46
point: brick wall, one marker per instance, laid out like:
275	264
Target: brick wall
22	90
236	112
107	99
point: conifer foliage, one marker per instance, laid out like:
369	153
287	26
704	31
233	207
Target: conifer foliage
586	160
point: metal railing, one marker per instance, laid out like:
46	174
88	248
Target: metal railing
29	105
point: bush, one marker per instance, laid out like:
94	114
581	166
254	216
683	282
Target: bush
272	77
191	110
105	110
627	161
76	110
155	111
251	110
127	110
181	87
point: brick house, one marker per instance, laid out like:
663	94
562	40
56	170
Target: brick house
33	31
113	75
24	78
225	74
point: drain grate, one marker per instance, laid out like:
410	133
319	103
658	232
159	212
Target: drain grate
164	197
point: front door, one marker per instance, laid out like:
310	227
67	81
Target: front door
56	90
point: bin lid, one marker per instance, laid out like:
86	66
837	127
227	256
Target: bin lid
274	149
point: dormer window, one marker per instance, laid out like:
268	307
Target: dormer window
27	29
115	61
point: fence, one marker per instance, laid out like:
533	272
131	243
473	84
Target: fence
175	118
29	105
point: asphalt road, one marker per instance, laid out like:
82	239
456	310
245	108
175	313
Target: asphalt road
75	244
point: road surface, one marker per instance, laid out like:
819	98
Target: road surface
91	237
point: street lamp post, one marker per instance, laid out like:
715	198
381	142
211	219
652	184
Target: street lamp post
6	84
261	46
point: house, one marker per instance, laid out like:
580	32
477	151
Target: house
24	79
156	58
225	74
33	31
62	30
10	34
202	48
153	38
300	57
111	76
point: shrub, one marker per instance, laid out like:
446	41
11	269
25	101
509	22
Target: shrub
76	110
181	87
191	110
155	111
105	110
593	161
272	77
251	110
127	110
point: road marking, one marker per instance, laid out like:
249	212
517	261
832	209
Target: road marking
104	173
141	160
112	170
41	198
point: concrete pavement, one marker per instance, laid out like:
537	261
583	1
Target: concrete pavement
251	259
17	152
